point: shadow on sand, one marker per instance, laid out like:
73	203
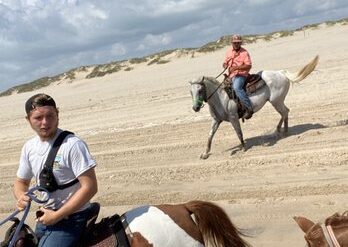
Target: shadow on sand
273	138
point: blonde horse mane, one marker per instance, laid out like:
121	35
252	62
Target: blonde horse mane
303	73
215	226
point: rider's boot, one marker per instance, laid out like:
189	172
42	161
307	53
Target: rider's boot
248	113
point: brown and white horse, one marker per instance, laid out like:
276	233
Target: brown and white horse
192	224
332	233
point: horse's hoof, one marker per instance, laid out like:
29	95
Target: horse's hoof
204	156
243	147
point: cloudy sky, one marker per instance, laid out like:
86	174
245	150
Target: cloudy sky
47	37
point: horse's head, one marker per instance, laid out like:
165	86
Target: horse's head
198	93
334	233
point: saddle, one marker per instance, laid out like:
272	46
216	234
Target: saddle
109	232
253	83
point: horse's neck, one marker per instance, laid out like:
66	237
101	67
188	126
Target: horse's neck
214	89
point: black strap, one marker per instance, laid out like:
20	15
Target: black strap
119	231
46	177
53	152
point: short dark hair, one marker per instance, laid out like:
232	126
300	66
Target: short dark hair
39	100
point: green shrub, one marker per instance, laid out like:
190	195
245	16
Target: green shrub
137	60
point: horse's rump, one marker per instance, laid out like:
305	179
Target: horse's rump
158	227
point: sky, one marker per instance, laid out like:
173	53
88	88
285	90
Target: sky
47	37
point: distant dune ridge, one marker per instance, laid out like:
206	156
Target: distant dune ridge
93	71
140	128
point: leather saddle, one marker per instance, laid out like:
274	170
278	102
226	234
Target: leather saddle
109	232
253	83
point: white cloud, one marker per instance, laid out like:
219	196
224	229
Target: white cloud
10	67
155	40
46	37
118	49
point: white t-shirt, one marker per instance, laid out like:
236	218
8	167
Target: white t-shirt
73	158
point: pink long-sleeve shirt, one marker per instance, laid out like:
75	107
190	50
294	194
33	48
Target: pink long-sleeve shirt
234	58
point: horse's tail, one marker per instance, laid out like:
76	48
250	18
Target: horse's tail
304	72
215	226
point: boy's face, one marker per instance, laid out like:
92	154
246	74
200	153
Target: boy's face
44	121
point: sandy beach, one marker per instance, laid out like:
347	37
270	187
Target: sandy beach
146	139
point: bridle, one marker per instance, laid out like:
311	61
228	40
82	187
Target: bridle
330	236
205	98
33	197
201	83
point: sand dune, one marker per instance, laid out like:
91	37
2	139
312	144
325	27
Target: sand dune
147	140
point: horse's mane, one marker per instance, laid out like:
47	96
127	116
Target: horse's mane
337	220
214	224
213	80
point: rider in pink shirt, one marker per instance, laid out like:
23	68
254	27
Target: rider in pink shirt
238	62
237	59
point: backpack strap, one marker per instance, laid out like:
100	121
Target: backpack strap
46	177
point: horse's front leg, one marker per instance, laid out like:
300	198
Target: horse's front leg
214	126
236	125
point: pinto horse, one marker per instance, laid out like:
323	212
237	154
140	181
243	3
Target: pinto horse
333	233
222	108
191	224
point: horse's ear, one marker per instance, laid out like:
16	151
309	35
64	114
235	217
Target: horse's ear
304	223
197	80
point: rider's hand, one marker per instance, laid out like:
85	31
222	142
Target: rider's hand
48	217
224	65
233	68
22	202
139	241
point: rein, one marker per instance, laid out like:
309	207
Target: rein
216	78
33	197
217	88
330	236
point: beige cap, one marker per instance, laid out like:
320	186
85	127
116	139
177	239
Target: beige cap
236	38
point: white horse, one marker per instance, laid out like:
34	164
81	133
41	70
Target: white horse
222	108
